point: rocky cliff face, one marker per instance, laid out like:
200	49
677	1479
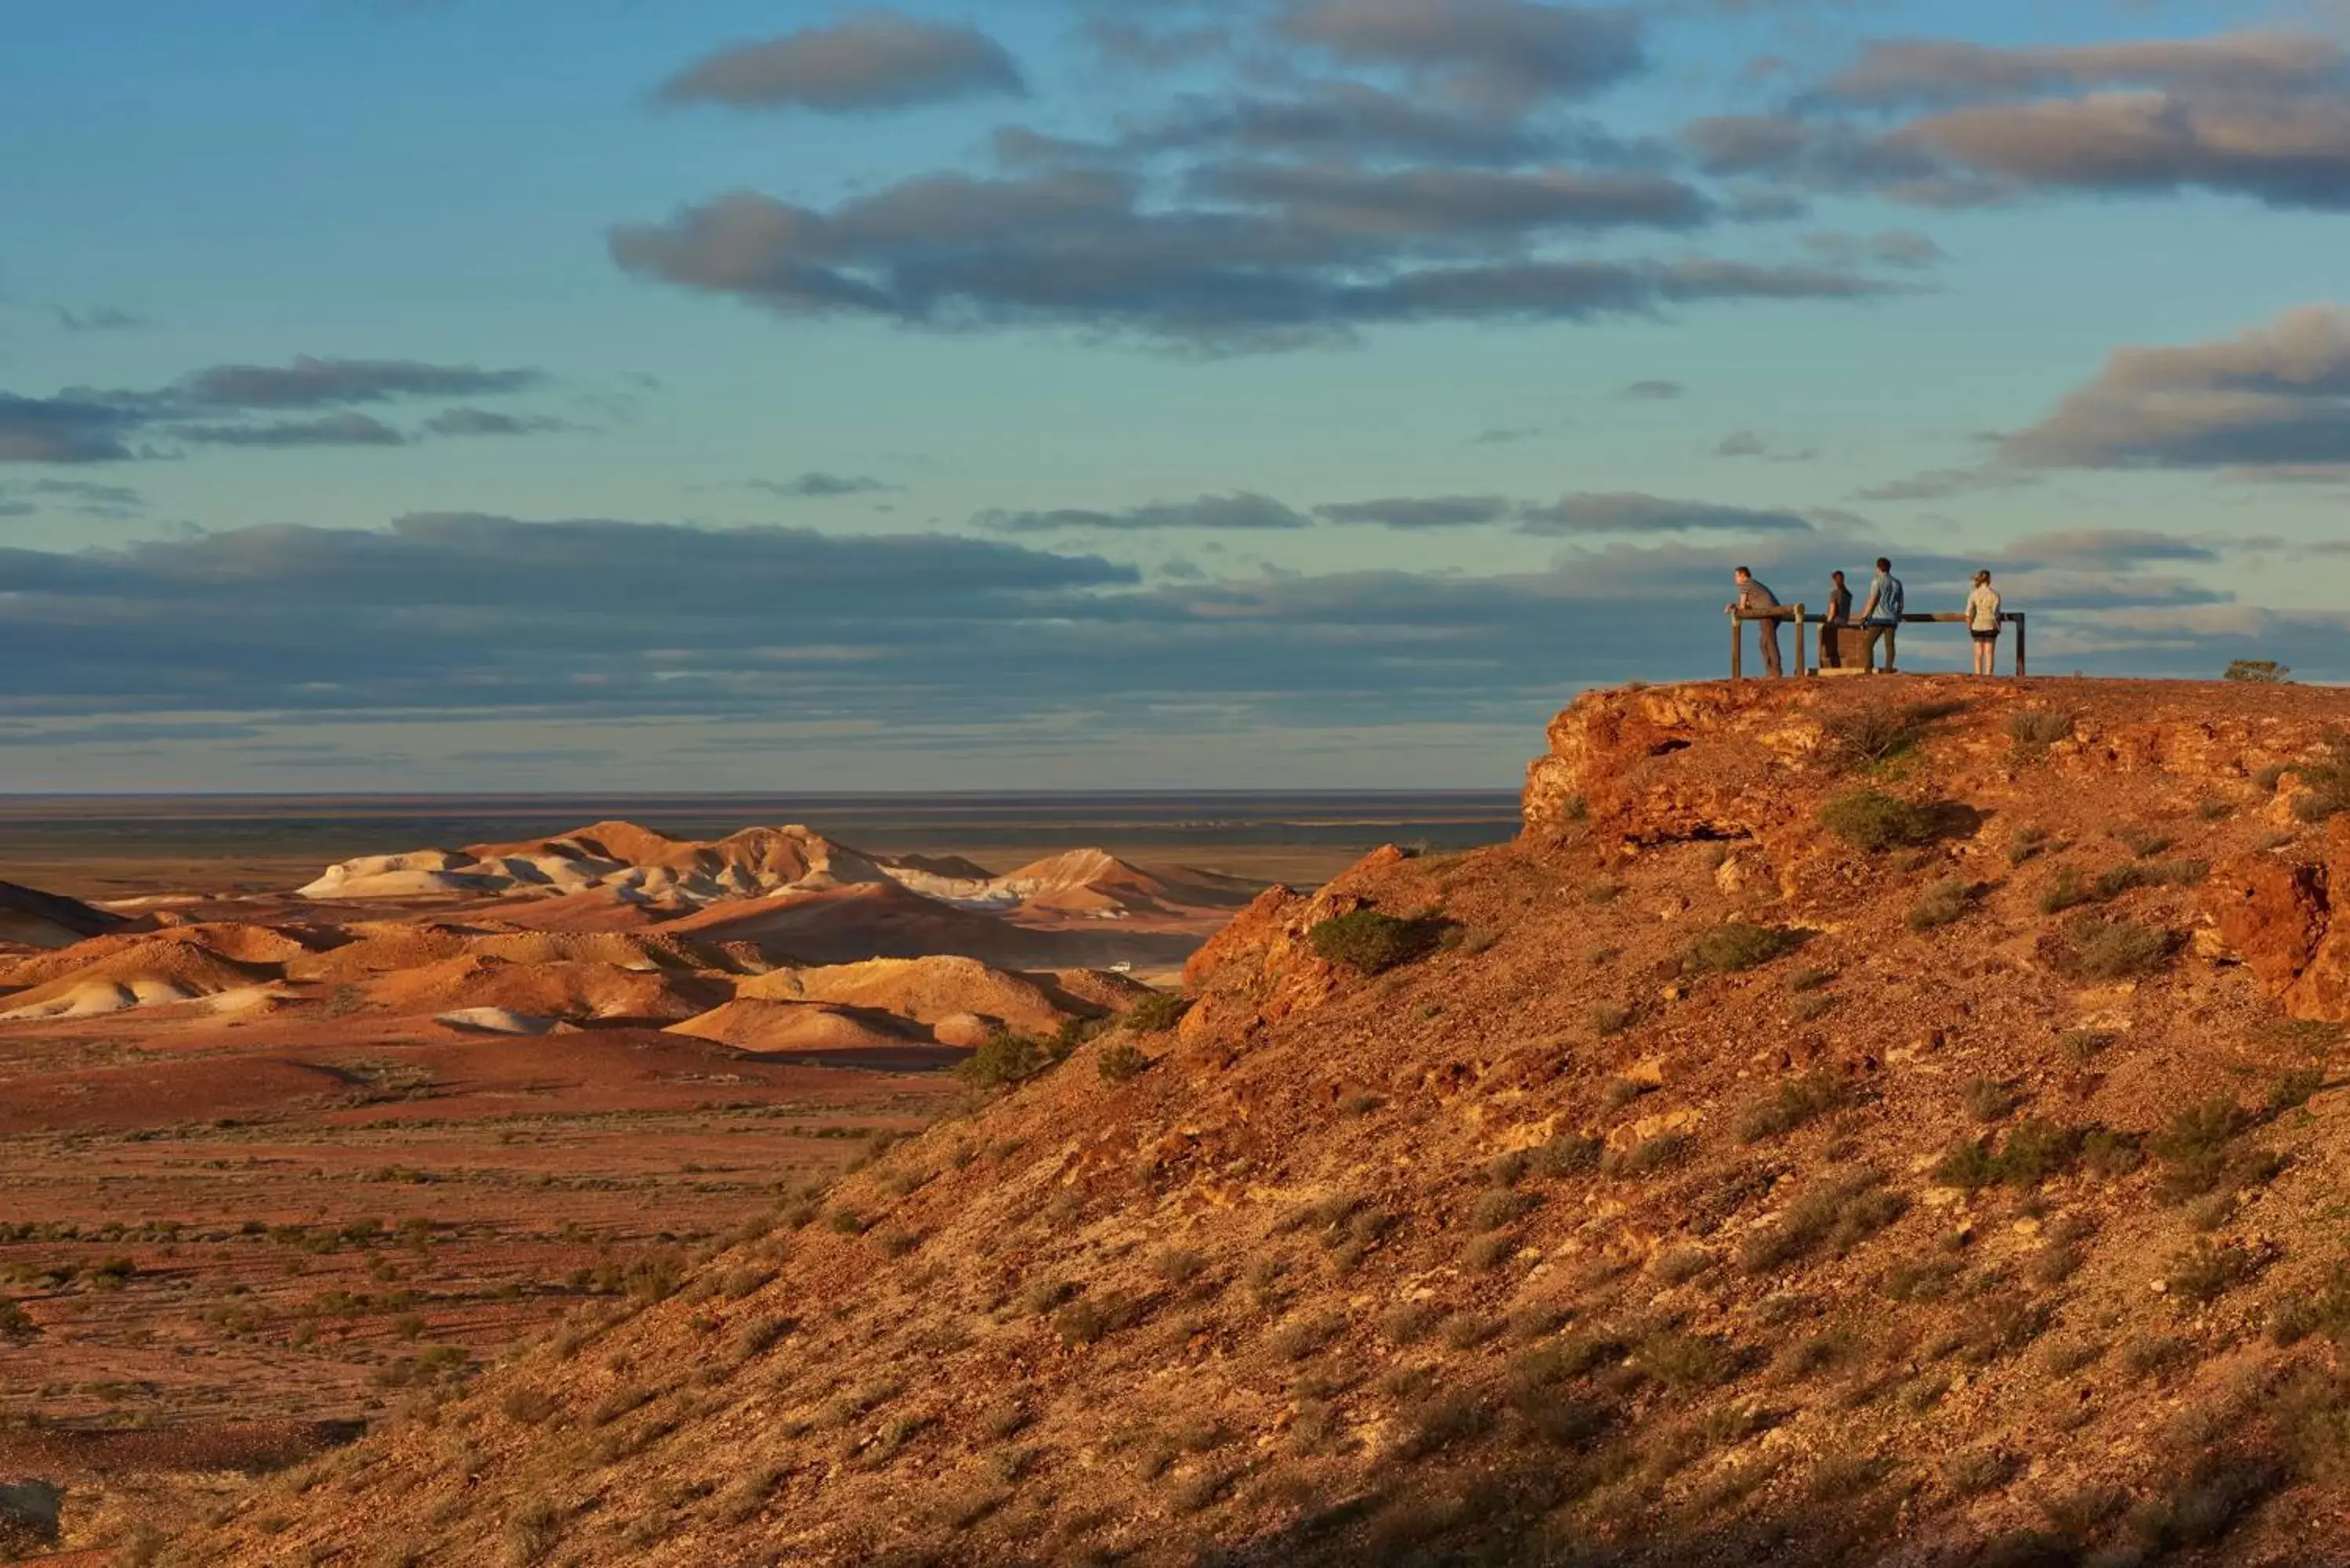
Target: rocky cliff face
1735	1174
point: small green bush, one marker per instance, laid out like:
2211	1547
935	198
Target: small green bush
1873	820
2027	844
1987	1099
1866	737
2095	948
1796	1102
1120	1061
1158	1012
1369	942
1739	946
2202	1271
2324	781
2034	730
1004	1059
1569	1154
2035	1151
1685	1360
1838	1214
1648	1155
2257	671
1943	904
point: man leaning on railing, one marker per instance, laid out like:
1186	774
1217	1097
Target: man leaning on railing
1753	598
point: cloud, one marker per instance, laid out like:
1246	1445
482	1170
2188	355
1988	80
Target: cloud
1077	249
816	485
871	60
1942	483
1243	510
80	498
1503	435
100	318
1348	204
2273	397
2106	548
62	429
311	383
1654	392
347	428
1429	511
1911	72
1631	512
1502	52
1893	248
489	422
2262	115
1349	120
210	408
1747	443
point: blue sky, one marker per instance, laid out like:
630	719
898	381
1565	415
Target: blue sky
1067	393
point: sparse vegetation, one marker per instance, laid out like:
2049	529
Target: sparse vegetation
2256	671
1158	1012
1568	1154
1867	737
1004	1059
2095	949
1943	904
2324	781
2032	730
1739	946
1793	1103
1873	820
1120	1061
1987	1099
1838	1214
1370	943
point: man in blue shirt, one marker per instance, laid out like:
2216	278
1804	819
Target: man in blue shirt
1880	619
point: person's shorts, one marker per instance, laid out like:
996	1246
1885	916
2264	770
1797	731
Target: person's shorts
1986	637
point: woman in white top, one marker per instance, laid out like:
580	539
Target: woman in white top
1982	620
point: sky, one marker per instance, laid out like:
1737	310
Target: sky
594	395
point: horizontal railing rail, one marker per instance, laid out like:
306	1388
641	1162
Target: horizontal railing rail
1803	620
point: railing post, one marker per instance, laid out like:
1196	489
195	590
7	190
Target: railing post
2022	660
1737	647
1802	659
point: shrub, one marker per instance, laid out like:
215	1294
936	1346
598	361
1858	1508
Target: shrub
1119	1062
1488	1250
2325	782
1987	1099
1568	1154
2095	948
2034	730
2068	891
1796	1102
1865	737
1685	1360
1738	946
2141	842
2257	671
1498	1207
1094	1317
1408	1323
1607	1020
1810	979
1439	1423
1839	1213
1622	1090
2027	845
1873	820
1648	1155
1158	1012
1369	942
1679	1265
1004	1059
2035	1151
1943	904
2202	1271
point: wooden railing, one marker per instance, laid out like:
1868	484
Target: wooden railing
1803	619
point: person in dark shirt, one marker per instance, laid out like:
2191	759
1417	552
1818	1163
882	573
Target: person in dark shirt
1839	617
1753	596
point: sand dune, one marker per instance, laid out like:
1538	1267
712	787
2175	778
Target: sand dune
33	918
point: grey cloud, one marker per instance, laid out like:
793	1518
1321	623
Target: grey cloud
489	422
1495	51
871	60
1427	511
2275	397
62	429
2286	153
1942	483
1654	391
1350	120
817	486
1074	248
1894	248
1631	512
310	383
1503	435
1415	203
79	497
1241	510
1748	444
1895	73
346	428
17	508
2109	548
100	318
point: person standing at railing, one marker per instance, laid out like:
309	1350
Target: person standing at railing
1982	623
1881	617
1839	617
1753	599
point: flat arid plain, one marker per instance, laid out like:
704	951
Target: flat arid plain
277	1161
